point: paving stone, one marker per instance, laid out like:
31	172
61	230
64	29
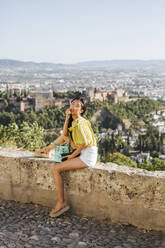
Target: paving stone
67	241
129	246
117	246
81	245
131	240
34	237
74	235
24	239
11	245
18	245
57	239
28	246
29	226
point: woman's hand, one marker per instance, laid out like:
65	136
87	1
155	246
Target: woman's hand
68	113
44	150
68	157
72	144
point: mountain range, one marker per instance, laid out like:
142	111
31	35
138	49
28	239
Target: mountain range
107	64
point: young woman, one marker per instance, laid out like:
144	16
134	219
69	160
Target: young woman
84	143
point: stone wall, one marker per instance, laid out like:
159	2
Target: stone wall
118	194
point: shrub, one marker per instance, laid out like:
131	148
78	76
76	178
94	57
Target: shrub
155	165
120	159
28	136
31	136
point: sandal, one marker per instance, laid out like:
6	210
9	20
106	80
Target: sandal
58	213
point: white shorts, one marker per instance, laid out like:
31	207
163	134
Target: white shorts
89	155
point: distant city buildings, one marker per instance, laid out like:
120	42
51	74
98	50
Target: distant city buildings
22	98
43	99
34	100
118	95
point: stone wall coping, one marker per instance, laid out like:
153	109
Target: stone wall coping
111	167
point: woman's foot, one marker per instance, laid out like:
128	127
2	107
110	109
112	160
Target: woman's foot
40	154
43	150
59	206
59	209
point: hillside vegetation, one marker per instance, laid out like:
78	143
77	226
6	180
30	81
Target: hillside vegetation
109	114
30	130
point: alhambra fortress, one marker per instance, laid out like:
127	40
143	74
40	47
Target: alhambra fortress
36	100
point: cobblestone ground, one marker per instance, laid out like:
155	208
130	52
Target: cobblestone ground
28	225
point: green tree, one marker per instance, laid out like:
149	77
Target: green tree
154	165
120	159
109	145
28	136
151	141
31	136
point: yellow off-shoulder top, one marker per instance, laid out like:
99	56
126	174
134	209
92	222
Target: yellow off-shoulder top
82	133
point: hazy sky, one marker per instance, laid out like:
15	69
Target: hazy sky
69	31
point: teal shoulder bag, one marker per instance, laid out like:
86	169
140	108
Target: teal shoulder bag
62	150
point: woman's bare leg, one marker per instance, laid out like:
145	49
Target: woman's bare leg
71	164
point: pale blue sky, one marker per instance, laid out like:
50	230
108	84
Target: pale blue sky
69	31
